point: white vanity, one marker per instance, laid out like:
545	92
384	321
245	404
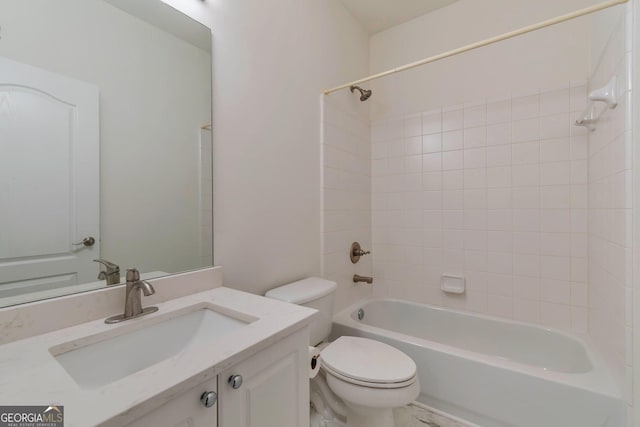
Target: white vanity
210	356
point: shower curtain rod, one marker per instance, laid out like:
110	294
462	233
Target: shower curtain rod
472	46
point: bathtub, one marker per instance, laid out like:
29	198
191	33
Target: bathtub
490	371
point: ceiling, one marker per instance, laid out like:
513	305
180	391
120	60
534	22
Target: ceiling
378	15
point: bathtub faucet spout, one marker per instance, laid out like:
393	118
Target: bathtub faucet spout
363	279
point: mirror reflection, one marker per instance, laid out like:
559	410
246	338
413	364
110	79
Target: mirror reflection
105	144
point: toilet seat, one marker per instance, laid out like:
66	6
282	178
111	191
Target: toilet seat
368	363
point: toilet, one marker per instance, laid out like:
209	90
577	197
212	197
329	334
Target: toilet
361	380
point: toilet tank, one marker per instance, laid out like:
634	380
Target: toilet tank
312	292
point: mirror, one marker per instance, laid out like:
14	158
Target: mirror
105	144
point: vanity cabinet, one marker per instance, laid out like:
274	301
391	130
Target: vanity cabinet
267	389
274	387
187	410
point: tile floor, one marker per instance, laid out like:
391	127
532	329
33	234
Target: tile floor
413	415
418	416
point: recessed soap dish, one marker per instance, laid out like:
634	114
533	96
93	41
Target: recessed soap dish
452	284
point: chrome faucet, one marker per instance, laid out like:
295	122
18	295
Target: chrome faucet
133	300
111	274
357	278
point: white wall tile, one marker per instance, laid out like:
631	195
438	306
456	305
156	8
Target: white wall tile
557	173
432	143
452	160
526	197
500	220
501	306
555	291
475	158
527	288
432	181
500	241
555	197
432	123
555	315
413	146
526	220
452	179
413	126
499	177
499	134
526	175
525	130
556	101
555	244
527	310
526	153
503	198
555	220
555	126
475	116
526	265
499	198
453	200
525	107
432	162
499	112
452	120
475	178
555	150
498	155
475	137
453	140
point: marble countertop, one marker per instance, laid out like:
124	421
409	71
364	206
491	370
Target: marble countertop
30	375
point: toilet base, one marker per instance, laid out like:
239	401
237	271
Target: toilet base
371	407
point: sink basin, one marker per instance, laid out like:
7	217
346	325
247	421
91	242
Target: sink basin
114	358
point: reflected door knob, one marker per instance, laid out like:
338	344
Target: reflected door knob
235	381
209	398
87	241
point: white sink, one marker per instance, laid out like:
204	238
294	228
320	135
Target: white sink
114	358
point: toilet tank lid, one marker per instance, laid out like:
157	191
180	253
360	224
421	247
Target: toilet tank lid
303	291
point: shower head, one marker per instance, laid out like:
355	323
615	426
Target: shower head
364	94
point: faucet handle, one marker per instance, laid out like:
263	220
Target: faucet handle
133	275
108	264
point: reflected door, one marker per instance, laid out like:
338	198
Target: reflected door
49	180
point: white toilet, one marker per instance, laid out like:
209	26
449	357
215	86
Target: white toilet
366	379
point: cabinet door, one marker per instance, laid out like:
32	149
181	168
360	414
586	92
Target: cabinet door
274	390
183	411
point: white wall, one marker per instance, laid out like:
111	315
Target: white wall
145	166
610	203
271	61
543	59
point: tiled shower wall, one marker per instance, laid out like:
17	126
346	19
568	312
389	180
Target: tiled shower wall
346	194
493	191
610	213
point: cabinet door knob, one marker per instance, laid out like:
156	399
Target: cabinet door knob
209	398
235	381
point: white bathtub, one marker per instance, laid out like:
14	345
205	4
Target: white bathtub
490	371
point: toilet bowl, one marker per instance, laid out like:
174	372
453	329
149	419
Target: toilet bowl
371	378
361	380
